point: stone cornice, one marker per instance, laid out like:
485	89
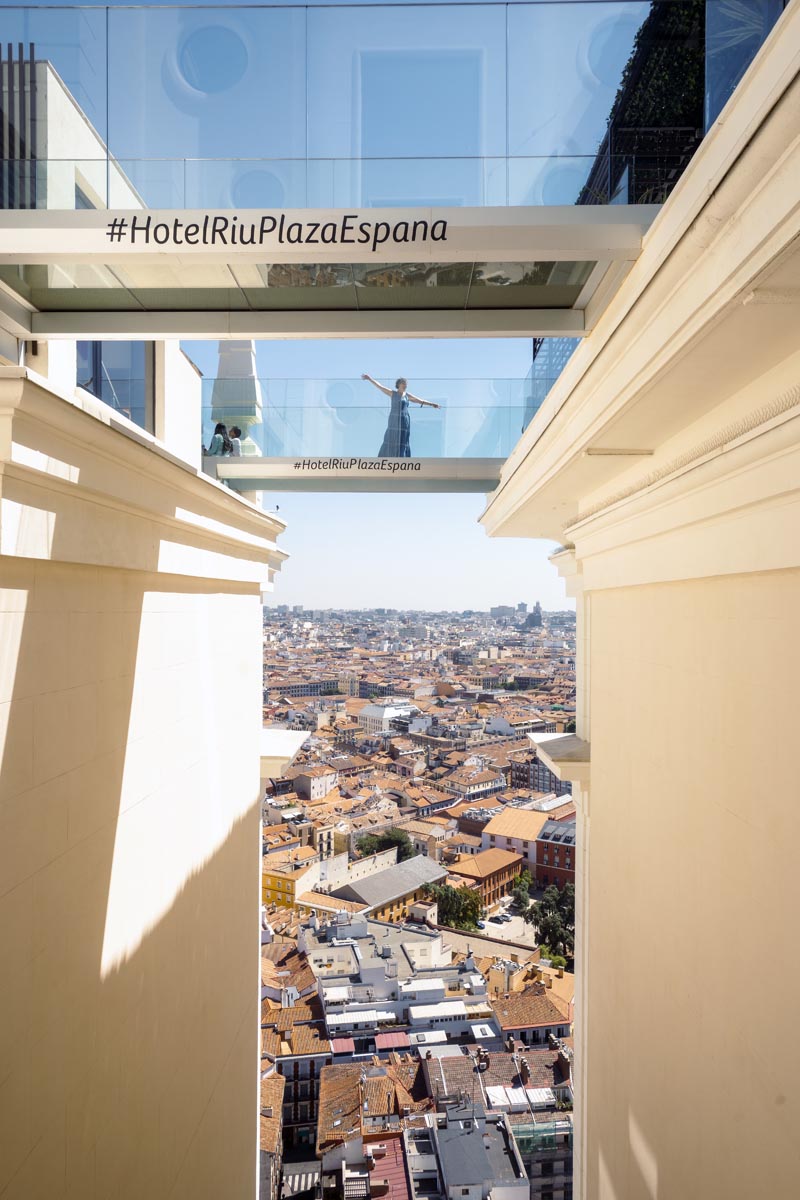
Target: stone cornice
731	217
80	489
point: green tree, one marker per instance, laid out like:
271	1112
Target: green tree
367	844
374	843
459	908
553	918
520	893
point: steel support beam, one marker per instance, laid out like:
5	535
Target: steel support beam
384	323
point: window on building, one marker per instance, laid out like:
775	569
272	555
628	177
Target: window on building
121	375
547	1168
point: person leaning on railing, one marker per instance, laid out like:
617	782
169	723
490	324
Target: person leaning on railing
221	444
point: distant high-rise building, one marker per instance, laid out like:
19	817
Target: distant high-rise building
522	607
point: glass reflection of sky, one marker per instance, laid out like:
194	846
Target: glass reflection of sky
367	86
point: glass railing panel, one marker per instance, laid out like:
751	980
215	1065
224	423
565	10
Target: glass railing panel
248	183
273	184
147	183
288	432
565	65
402	81
475	418
207	82
734	32
66	47
368	105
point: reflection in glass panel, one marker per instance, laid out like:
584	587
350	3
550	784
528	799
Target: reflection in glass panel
565	63
528	285
620	83
51	62
735	31
297	286
402	82
208	83
121	375
655	123
293	287
412	285
550	356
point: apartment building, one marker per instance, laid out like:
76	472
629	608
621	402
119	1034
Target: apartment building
555	854
528	771
491	872
474	782
515	829
270	1141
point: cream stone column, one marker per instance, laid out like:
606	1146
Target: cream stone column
130	746
566	564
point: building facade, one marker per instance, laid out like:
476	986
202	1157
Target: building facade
555	854
492	872
680	549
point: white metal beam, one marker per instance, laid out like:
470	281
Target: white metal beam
565	233
357	474
15	314
383	323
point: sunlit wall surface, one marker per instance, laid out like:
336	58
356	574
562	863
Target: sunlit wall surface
327	106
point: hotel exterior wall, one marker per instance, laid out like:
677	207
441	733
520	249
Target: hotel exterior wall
693	876
682	549
129	817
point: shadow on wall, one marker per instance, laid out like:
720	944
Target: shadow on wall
128	1044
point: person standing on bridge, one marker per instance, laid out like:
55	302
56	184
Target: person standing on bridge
397	439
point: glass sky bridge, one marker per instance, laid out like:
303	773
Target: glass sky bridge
326	434
296	171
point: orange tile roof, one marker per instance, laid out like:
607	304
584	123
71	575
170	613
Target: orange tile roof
271	1118
295	1041
397	1084
532	1007
480	866
523	823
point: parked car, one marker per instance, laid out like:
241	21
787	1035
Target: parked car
496	920
504	917
480	924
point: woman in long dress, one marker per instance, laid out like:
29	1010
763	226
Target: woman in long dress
397	439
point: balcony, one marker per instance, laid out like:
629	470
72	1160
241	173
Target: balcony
314	434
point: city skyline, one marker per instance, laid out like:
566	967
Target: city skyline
510	571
